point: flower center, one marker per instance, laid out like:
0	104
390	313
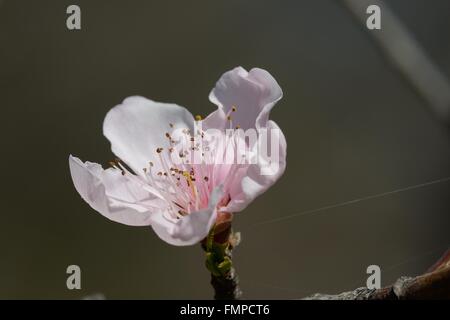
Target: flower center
186	171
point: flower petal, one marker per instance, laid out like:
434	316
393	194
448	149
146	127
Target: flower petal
111	194
263	174
253	94
137	127
190	229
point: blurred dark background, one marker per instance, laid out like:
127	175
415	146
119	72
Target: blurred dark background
353	125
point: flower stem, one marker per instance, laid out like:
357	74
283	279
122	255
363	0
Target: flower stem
218	251
226	287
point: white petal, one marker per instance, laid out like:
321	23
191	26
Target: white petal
254	183
253	93
111	194
137	127
190	229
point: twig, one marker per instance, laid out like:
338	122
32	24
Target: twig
218	247
435	284
227	287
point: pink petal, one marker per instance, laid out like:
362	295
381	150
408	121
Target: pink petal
111	194
137	127
253	183
190	229
253	94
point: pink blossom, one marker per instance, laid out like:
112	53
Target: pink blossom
175	178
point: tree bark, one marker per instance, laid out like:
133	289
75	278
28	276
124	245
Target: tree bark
434	284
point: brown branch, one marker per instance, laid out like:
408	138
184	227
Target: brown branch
434	284
227	287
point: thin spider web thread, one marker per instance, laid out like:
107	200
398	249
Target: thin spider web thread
342	204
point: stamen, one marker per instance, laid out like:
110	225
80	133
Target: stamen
189	181
182	213
186	186
231	121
